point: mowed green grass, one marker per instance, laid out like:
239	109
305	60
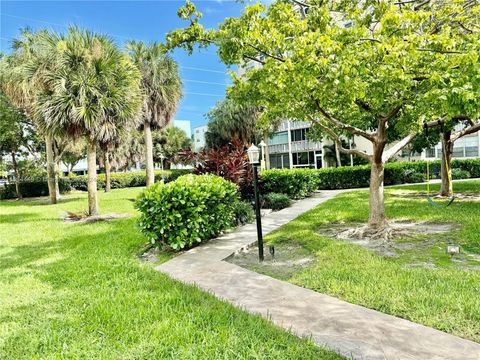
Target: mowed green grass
78	291
444	296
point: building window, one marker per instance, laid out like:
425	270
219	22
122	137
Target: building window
431	153
458	152
299	134
304	159
471	151
279	161
278	138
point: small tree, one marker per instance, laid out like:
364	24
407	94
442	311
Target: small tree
167	145
75	152
228	121
367	68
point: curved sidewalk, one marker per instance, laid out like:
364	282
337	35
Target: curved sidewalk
351	330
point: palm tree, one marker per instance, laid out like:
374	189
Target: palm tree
23	76
162	90
94	89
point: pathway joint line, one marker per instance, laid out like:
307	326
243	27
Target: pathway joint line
351	330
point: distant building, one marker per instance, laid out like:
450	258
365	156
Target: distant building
185	125
199	137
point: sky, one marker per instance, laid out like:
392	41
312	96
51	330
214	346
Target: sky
204	77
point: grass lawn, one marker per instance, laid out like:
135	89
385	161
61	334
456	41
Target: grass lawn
78	291
443	295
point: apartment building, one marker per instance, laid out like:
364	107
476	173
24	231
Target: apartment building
199	137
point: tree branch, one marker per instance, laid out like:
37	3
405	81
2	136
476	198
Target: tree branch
254	59
266	53
352	129
467	131
387	154
440	51
355	152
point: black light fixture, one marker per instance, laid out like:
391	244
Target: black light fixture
253	157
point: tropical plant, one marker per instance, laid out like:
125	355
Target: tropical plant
373	69
168	143
229	162
94	90
229	120
162	90
23	76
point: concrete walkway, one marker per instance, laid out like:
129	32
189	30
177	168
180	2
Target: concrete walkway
351	330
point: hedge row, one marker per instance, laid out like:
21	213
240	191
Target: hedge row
298	183
32	189
66	184
125	180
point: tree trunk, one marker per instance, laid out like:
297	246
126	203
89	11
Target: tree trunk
149	153
57	187
17	175
377	218
337	155
446	168
52	193
107	172
92	178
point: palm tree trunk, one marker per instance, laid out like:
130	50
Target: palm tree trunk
17	175
92	178
50	169
149	153
57	187
107	172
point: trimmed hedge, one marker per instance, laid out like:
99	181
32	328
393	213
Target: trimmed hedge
276	201
298	183
128	179
66	184
32	189
187	211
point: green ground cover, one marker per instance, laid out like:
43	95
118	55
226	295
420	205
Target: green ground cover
79	291
438	291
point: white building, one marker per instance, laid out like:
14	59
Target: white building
199	137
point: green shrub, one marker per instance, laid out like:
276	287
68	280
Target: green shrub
276	201
295	183
33	188
460	174
243	213
298	183
186	211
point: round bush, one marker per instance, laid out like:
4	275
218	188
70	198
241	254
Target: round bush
187	211
276	201
243	213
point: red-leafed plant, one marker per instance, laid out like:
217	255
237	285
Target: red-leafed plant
229	162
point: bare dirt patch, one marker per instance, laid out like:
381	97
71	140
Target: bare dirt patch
71	217
404	230
288	260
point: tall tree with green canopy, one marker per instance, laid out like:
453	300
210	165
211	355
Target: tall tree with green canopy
229	120
93	89
162	88
374	69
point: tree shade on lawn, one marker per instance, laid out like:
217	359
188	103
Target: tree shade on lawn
79	291
162	89
371	69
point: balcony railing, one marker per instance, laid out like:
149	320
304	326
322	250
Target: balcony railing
297	146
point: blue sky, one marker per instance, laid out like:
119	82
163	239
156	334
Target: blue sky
204	76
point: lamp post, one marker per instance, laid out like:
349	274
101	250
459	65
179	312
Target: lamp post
253	157
263	164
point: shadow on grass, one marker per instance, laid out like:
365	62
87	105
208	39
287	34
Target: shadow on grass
20	217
